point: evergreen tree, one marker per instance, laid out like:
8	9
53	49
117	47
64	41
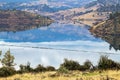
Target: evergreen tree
8	59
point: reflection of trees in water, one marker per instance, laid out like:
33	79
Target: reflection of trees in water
21	27
115	42
115	38
110	32
15	20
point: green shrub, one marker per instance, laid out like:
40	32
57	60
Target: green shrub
106	63
50	68
8	59
63	70
71	65
7	71
82	68
40	68
25	68
87	65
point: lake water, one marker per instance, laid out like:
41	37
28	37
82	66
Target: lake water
50	45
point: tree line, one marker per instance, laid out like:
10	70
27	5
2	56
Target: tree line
8	64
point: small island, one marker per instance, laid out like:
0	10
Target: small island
16	20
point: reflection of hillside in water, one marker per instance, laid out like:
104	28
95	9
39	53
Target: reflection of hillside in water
110	32
14	27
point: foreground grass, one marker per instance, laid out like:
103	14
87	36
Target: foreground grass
74	75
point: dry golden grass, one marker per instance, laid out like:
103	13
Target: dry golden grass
75	75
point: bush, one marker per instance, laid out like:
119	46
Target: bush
25	68
40	68
82	68
71	65
105	63
50	68
7	71
63	70
87	64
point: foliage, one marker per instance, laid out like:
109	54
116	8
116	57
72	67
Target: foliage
50	68
70	64
74	65
8	60
87	64
82	68
106	63
7	71
40	68
25	68
8	63
63	70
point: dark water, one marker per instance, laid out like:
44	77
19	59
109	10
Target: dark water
49	45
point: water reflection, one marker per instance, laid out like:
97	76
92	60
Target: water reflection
53	32
110	34
59	40
15	27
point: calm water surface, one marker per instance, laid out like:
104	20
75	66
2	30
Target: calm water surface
49	45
